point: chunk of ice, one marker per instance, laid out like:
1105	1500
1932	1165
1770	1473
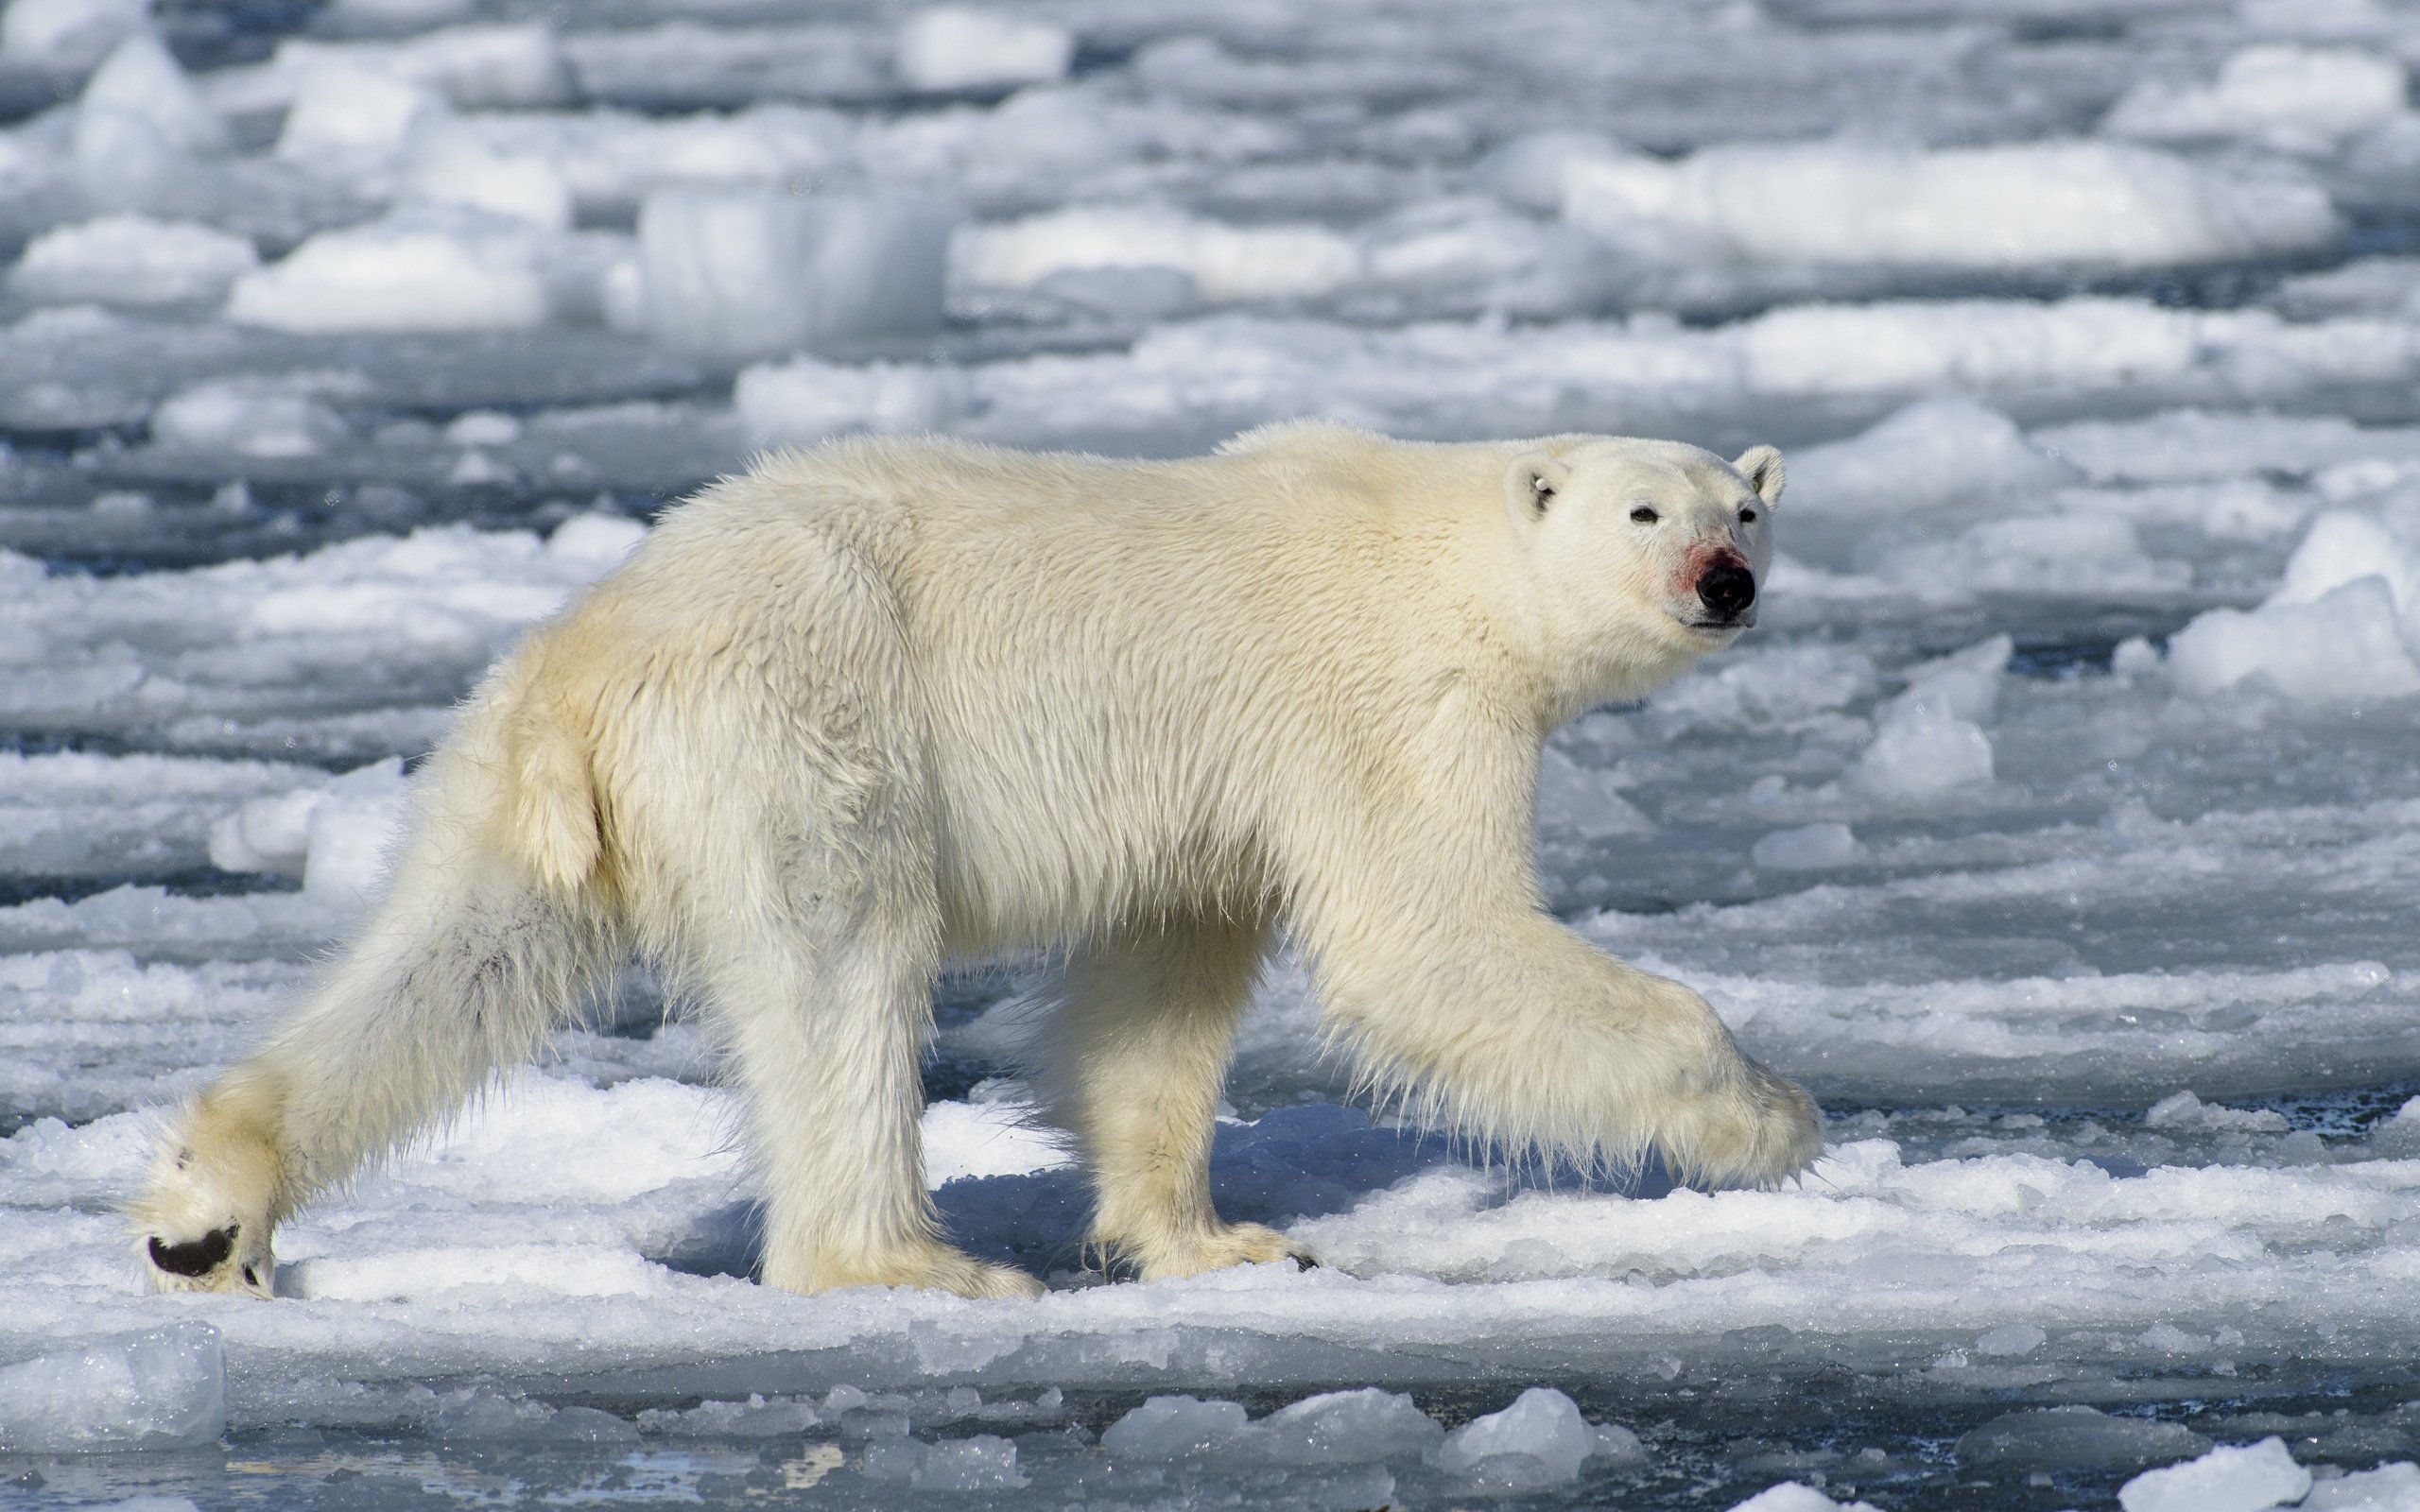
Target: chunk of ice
2183	1110
142	80
343	114
246	417
69	33
131	260
2002	206
494	66
1919	757
801	401
1792	1496
1932	453
164	1389
1528	171
755	273
1543	1426
1583	801
352	829
2388	1488
1350	1428
2345	547
2345	647
1228	263
423	271
2011	1339
452	166
2227	1479
2076	1439
982	1463
1172	1427
2289	94
1806	847
956	48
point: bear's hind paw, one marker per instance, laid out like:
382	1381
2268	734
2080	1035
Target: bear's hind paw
226	1259
1231	1244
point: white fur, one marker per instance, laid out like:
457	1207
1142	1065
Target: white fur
891	702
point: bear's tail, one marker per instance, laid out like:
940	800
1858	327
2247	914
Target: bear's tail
496	928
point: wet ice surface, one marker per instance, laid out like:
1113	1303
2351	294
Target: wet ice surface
2057	825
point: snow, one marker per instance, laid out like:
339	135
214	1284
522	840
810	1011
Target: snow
2055	826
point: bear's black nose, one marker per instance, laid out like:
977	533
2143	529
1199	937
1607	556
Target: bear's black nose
1727	589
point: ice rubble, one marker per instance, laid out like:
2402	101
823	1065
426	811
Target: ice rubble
2114	875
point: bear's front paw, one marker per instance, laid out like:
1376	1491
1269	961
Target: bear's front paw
1755	1129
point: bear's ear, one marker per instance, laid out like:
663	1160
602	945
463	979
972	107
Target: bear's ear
1761	466
1531	484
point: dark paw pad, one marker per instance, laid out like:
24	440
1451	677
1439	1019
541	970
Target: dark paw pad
195	1257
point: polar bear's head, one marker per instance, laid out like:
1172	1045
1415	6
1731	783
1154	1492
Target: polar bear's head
1642	555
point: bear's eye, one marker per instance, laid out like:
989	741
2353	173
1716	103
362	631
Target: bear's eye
1644	515
1747	517
1544	491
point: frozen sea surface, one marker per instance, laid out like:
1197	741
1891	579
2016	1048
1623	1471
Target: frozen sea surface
2060	826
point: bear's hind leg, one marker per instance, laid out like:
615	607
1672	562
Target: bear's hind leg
459	974
821	1013
1134	1061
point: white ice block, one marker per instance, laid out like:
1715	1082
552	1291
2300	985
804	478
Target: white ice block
752	272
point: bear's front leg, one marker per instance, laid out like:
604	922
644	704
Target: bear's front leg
1132	1062
1514	1030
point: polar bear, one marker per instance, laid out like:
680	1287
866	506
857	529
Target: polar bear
892	701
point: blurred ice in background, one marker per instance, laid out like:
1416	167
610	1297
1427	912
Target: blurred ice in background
2060	826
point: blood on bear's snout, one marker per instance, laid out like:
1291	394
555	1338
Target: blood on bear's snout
1722	581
